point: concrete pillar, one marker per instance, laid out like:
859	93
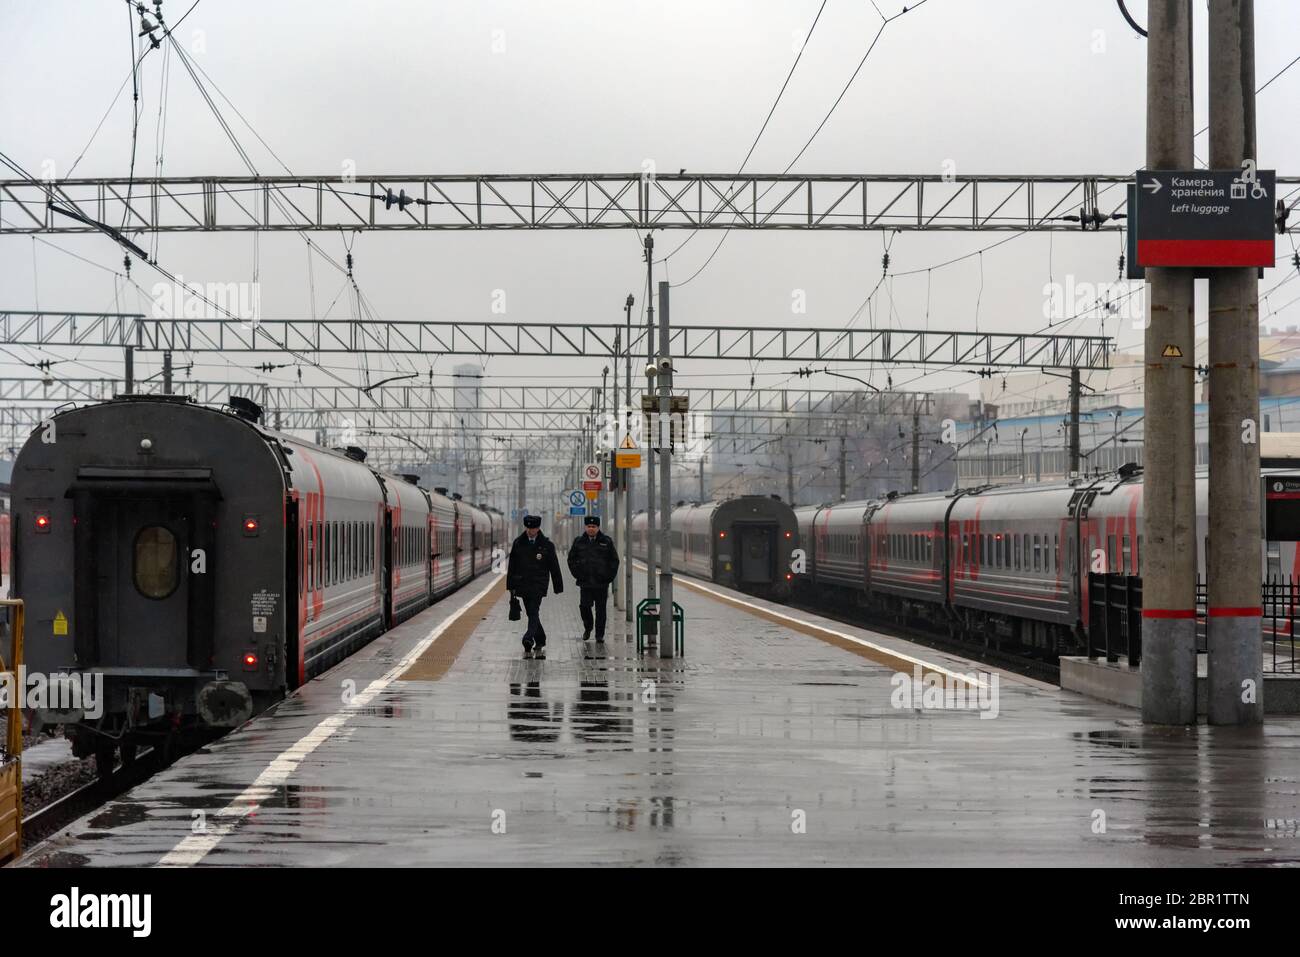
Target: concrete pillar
1169	496
1234	564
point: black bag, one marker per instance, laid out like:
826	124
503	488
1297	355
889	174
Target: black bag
515	611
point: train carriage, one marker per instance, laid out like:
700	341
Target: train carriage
905	549
442	538
745	543
834	543
201	565
1013	562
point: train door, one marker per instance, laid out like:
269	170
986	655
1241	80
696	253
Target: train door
142	596
387	571
756	547
462	573
295	605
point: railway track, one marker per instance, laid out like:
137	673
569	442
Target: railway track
62	811
1022	664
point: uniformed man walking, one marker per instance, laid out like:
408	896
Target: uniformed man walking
533	563
593	562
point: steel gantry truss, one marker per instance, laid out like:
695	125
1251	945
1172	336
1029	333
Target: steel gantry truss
452	399
554	340
640	201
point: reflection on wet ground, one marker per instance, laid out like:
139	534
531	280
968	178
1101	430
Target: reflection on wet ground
762	746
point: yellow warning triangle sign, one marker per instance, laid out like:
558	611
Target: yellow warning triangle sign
1172	352
627	442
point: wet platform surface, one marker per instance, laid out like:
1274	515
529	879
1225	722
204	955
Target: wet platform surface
764	745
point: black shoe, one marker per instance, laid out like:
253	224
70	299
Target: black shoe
528	648
586	635
540	652
600	639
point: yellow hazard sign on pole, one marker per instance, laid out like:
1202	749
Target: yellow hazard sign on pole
1171	351
60	623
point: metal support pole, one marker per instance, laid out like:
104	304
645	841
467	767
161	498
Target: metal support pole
652	627
916	450
128	364
167	373
703	497
614	493
1169	500
629	601
843	468
523	487
1235	662
597	453
789	478
1075	388
666	642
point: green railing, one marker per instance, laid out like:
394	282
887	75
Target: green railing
648	609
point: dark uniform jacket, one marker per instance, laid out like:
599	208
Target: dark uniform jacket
532	564
593	562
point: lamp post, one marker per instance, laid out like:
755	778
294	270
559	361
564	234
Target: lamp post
628	601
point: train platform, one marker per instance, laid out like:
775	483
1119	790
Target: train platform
780	738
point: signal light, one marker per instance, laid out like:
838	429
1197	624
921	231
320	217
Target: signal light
251	526
788	576
43	523
787	534
250	661
722	534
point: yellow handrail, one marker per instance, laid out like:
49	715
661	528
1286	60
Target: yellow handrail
11	766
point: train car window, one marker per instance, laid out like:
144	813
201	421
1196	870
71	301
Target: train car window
1037	554
1056	552
1006	551
1112	563
302	561
155	562
328	578
1124	557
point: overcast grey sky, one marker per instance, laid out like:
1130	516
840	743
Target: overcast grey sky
995	86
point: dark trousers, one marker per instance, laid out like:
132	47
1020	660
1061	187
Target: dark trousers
536	634
597	597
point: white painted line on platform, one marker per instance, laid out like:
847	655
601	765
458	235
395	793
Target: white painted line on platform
194	848
925	665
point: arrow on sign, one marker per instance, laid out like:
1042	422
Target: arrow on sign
1154	186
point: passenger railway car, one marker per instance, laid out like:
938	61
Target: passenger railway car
203	565
745	543
1012	561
